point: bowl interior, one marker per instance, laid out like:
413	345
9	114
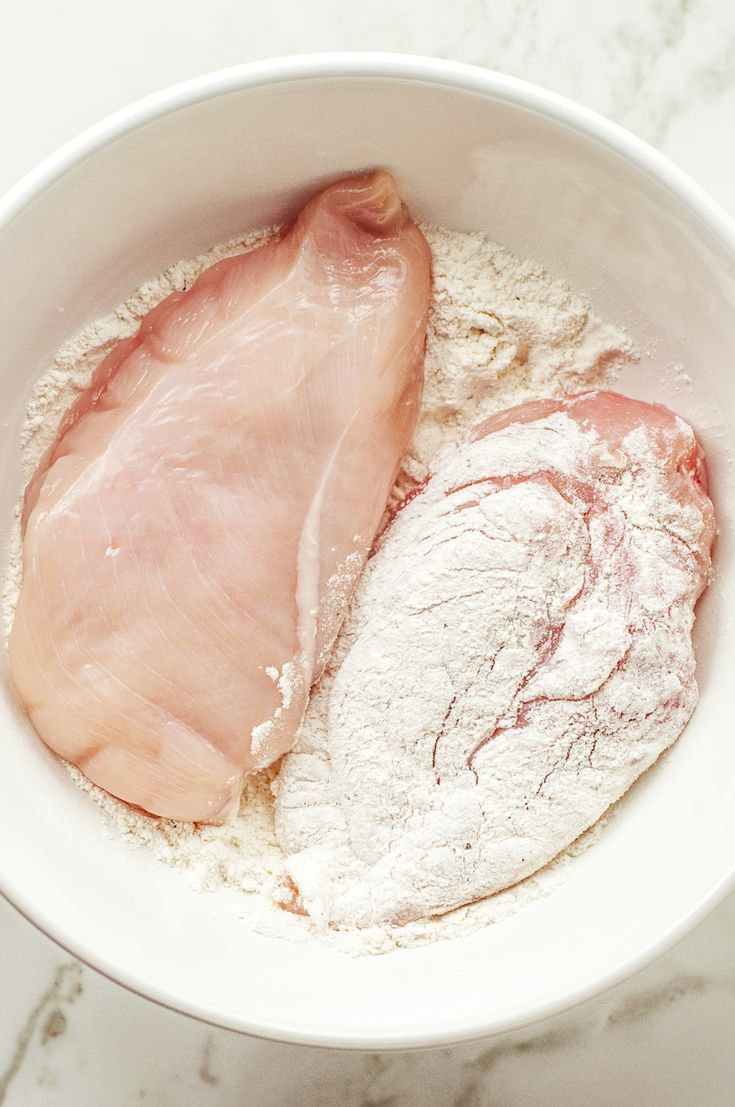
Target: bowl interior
473	153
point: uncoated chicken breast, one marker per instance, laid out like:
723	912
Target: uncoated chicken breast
517	653
193	536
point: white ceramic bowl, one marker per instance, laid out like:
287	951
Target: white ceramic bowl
473	150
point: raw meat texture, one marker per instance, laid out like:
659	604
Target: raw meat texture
517	653
195	532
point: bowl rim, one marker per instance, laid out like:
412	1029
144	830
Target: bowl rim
432	71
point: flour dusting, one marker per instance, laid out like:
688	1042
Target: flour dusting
518	651
501	331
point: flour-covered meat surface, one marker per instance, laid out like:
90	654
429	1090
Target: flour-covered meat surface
194	534
518	652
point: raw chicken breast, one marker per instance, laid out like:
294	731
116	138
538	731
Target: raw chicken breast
518	652
195	532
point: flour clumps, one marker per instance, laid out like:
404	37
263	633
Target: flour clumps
501	331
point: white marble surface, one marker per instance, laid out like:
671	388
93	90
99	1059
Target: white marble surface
666	69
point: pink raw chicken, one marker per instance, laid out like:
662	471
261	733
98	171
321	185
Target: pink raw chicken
195	532
555	560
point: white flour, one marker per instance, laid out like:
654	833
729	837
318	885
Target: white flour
501	331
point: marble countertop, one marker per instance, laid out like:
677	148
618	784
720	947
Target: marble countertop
664	68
